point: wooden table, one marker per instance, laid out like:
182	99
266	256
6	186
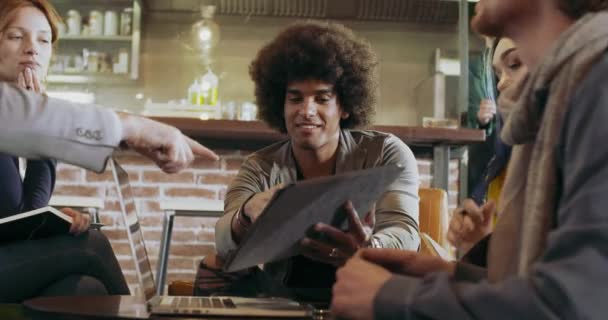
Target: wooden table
77	308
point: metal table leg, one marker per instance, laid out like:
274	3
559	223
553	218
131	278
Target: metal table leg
441	167
163	255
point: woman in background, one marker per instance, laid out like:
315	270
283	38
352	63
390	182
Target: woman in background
465	232
78	263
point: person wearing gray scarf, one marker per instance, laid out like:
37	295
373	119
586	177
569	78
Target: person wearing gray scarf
549	251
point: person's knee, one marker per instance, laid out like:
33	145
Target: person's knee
76	285
99	245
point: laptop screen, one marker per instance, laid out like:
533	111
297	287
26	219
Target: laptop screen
136	239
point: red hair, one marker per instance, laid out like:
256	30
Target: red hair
8	9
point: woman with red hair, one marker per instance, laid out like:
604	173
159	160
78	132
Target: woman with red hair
78	263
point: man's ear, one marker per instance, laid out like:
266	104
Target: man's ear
344	115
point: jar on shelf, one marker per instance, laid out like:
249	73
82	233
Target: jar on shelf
73	23
93	62
126	21
96	23
110	26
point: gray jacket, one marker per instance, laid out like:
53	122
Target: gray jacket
35	126
569	279
396	211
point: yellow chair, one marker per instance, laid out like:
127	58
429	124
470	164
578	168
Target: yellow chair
181	288
433	221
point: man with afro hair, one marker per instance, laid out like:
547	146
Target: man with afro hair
317	82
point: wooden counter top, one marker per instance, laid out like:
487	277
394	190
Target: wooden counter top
252	135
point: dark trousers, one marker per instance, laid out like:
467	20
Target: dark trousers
61	265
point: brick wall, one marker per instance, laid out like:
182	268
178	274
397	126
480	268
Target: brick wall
192	237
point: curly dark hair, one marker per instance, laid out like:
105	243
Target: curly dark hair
577	8
328	52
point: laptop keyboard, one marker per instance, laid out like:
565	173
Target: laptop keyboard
202	302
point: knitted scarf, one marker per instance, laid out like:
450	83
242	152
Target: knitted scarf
530	194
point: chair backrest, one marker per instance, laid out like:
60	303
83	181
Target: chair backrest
434	215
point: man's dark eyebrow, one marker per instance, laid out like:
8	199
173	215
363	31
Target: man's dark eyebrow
320	91
293	91
324	91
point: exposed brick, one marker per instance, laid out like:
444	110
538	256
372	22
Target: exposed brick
98	177
111	205
79	190
114	233
177	235
221	195
180	263
111	191
148	206
151	220
233	164
145	192
424	168
134	174
189	192
158	176
207	223
153	261
153	249
121	248
106	176
133	159
192	238
152	235
192	222
425	183
214	178
127	263
69	174
453	186
201	163
131	279
191	249
173	276
206	236
108	220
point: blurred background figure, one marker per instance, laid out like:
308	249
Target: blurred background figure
503	70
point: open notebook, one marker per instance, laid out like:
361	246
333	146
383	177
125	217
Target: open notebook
35	224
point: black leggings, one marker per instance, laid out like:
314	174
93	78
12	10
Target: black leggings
30	268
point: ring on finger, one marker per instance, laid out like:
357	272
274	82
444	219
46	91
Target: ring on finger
335	252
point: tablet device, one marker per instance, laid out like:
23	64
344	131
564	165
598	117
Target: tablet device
295	208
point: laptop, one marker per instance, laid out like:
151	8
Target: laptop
185	305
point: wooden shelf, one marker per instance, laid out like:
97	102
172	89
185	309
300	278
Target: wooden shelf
95	38
90	78
252	135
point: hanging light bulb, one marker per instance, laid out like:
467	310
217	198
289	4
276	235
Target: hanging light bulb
205	33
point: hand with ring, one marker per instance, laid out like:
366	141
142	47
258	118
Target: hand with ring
336	246
29	80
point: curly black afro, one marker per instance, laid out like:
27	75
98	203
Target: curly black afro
310	50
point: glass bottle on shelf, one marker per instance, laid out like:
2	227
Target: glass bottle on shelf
193	93
126	20
73	23
209	89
